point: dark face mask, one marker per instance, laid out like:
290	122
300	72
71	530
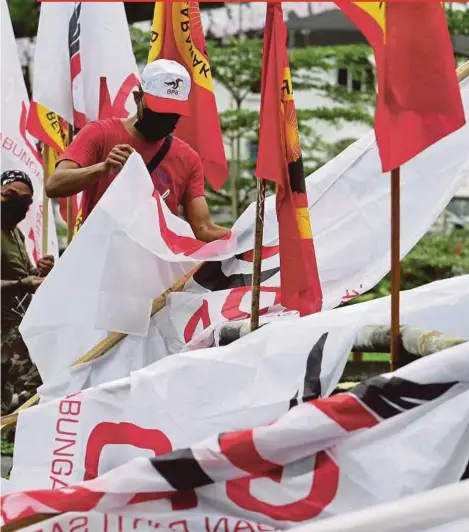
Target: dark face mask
155	126
13	211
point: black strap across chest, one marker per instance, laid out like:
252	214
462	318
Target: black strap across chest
160	154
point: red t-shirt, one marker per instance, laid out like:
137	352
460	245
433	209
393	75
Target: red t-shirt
180	172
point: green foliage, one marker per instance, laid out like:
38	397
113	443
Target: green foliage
435	257
457	17
140	44
24	16
7	447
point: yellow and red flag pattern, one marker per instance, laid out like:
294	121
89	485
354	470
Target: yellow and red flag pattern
177	34
52	131
280	161
418	100
47	127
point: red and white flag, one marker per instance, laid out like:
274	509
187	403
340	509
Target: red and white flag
323	457
77	44
19	151
72	82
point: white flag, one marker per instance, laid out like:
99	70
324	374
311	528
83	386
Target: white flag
187	397
77	44
384	440
18	148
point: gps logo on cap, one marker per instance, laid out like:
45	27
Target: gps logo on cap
174	86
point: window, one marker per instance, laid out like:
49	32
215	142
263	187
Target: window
253	148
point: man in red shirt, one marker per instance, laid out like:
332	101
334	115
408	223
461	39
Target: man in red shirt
102	147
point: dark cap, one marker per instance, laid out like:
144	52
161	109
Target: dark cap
10	176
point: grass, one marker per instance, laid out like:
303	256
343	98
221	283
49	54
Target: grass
374	357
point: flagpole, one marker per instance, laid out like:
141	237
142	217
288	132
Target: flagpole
70	221
257	259
395	268
462	72
45	199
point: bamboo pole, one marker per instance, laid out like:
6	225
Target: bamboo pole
463	71
257	259
105	345
45	200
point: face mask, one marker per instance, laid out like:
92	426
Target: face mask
13	210
155	126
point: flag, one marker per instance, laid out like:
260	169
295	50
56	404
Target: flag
280	161
53	132
17	146
386	438
177	34
47	127
353	252
67	68
69	77
418	100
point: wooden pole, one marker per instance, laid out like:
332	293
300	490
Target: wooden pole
105	345
462	72
257	259
70	220
395	268
45	199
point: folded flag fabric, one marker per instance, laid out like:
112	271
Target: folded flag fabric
304	466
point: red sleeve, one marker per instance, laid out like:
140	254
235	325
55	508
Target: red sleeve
85	149
195	184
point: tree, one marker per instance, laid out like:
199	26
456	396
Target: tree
435	257
457	17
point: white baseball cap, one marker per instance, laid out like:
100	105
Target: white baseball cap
166	85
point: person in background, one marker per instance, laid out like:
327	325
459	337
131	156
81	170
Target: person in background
102	147
20	279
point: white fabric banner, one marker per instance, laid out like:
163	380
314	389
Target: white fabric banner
129	262
442	509
194	395
322	458
437	306
18	147
101	47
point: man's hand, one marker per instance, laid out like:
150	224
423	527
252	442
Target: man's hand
31	283
117	158
45	265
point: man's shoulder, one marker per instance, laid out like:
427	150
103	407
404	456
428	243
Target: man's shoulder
181	148
108	124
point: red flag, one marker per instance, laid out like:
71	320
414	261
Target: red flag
177	34
418	101
280	161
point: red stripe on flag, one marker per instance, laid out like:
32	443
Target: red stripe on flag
347	411
179	243
240	449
